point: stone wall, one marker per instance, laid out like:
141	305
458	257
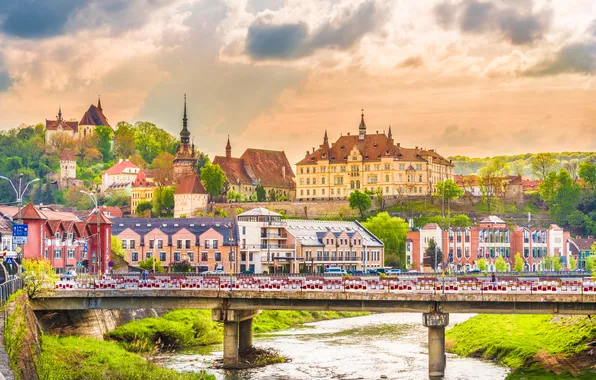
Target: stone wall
22	337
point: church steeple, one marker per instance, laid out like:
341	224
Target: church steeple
59	118
228	148
362	127
185	133
390	135
99	103
325	139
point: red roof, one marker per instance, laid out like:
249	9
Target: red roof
94	116
67	155
234	169
191	185
111	211
141	180
92	218
67	126
269	168
30	212
119	167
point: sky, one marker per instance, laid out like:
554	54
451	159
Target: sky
466	77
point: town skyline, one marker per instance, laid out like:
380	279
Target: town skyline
472	78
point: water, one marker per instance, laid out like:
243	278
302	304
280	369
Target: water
393	345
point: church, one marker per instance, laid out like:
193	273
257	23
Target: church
78	130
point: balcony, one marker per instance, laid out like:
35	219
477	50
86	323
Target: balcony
274	236
261	247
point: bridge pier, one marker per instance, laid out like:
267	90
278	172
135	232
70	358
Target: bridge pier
436	323
237	332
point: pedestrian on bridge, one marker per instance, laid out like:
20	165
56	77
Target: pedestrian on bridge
145	276
494	279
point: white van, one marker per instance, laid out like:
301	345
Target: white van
335	270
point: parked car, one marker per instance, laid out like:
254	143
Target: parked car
412	271
69	275
371	272
248	272
218	272
357	273
474	271
335	270
393	272
381	270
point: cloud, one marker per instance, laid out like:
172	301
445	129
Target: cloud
292	40
573	58
5	81
413	62
513	21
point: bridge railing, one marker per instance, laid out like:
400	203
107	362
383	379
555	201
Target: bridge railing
8	288
431	285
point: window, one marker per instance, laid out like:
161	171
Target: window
162	256
207	244
187	244
377	167
124	244
57	253
71	253
387	166
160	244
204	256
419	178
418	166
302	181
314	181
176	256
323	180
386	177
148	255
214	244
132	244
178	244
151	243
308	181
46	254
135	256
217	256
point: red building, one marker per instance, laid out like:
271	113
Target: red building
64	239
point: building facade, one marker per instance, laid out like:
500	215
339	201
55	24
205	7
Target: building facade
190	198
369	162
141	190
92	118
120	177
206	243
271	244
68	166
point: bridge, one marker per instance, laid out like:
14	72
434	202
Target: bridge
236	300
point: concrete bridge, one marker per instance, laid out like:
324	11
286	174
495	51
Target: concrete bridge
235	301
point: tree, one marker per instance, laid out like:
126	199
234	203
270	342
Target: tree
448	190
163	201
519	263
117	249
482	266
163	167
500	264
138	160
572	263
62	140
392	231
491	180
213	178
148	265
434	253
591	263
181	267
572	166
104	140
587	172
151	140
542	164
379	198
361	201
202	161
261	194
39	278
124	140
561	195
75	198
556	264
143	208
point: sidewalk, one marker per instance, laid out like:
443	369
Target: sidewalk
5	371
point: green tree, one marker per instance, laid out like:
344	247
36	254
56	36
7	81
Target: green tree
39	277
500	264
213	178
163	166
519	263
434	253
124	140
117	249
556	264
587	172
542	164
491	180
143	207
392	231
572	166
361	201
104	141
591	263
563	199
572	263
202	161
151	140
163	201
261	194
181	267
148	265
379	198
447	191
482	266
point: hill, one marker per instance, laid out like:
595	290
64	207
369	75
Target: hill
521	162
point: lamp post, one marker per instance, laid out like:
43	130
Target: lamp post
19	193
93	198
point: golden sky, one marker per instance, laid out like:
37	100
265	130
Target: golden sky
470	77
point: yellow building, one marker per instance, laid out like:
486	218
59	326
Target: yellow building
369	162
141	190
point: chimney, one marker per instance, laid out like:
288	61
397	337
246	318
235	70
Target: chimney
313	149
120	161
283	171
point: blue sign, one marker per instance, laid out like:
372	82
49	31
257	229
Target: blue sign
9	261
20	230
19	240
86	248
79	264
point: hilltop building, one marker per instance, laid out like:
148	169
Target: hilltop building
120	177
185	160
141	189
190	197
68	165
268	168
369	162
78	130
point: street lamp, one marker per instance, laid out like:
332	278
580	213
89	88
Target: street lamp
19	193
93	197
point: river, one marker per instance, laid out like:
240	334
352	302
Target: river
369	347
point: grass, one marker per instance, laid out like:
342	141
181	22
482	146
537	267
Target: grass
520	340
74	358
275	320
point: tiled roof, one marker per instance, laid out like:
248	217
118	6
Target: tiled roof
119	185
141	180
94	116
67	155
269	168
235	170
191	185
466	180
67	126
92	218
430	226
30	212
259	211
196	226
310	232
583	244
113	211
119	167
492	219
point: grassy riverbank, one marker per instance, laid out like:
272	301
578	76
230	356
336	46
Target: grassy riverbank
188	328
537	346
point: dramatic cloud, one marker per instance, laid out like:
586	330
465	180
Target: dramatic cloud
288	41
412	62
574	58
4	81
515	22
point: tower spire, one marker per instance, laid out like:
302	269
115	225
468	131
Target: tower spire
362	127
229	148
390	135
99	103
185	133
59	113
325	139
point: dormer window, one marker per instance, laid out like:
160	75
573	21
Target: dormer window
342	147
324	155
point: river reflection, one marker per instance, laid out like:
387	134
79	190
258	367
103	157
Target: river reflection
391	346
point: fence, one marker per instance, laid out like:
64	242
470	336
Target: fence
8	288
